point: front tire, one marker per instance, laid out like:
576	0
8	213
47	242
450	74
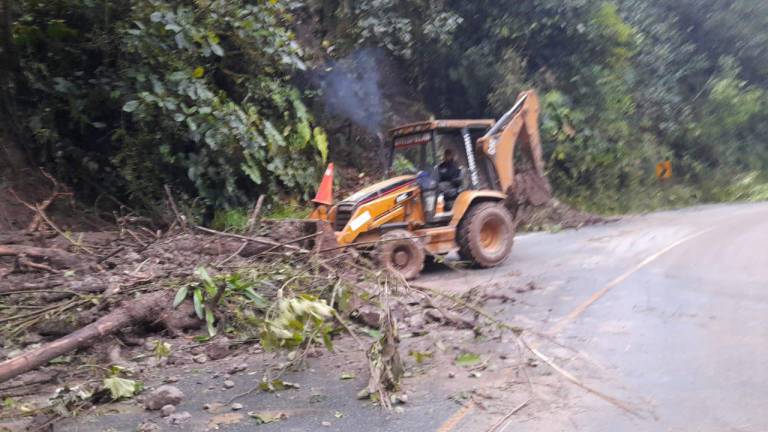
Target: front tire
485	234
399	252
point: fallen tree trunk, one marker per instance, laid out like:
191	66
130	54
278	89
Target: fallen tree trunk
18	237
11	288
145	308
57	257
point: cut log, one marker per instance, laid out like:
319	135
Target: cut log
57	257
17	237
145	308
89	285
12	287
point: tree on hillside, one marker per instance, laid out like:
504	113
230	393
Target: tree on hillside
12	155
121	97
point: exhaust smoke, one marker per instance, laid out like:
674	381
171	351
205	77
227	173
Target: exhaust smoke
350	88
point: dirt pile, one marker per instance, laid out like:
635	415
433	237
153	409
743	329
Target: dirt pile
554	215
537	209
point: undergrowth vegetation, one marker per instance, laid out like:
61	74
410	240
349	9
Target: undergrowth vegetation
236	219
122	98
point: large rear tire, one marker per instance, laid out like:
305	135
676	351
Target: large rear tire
399	252
485	234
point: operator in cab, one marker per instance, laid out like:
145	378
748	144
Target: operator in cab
450	178
448	170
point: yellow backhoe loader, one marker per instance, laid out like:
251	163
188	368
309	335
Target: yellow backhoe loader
466	202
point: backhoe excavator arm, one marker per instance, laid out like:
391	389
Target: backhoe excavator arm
519	126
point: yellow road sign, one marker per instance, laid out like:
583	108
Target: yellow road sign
664	170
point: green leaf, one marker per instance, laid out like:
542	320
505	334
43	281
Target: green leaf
348	375
321	142
120	388
210	321
250	168
327	341
131	106
197	297
191	124
467	359
198	72
259	300
202	273
274	137
420	356
267	417
304	132
178	76
162	349
277	385
217	49
181	294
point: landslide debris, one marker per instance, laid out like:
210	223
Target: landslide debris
87	312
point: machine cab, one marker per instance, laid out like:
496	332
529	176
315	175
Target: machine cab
419	149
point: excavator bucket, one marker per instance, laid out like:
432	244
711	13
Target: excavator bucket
514	146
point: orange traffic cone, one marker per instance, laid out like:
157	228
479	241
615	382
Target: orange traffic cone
325	191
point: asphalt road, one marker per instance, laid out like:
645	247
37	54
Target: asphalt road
667	314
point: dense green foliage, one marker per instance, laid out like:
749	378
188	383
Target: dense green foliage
625	84
127	96
122	97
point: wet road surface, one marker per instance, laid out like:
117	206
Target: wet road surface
667	313
671	311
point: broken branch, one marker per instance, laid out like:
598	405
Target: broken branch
501	424
62	233
181	219
142	309
253	220
567	375
517	332
261	240
57	257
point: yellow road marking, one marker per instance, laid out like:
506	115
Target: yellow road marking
560	325
460	414
456	418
